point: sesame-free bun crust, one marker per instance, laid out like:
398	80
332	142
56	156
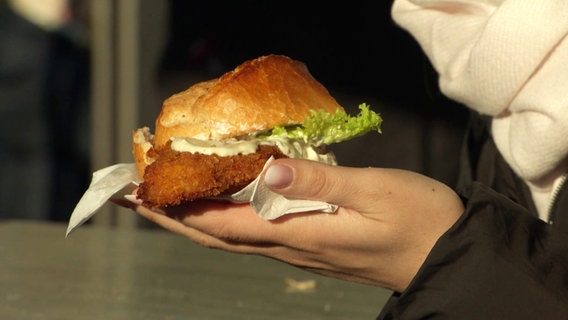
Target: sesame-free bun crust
256	96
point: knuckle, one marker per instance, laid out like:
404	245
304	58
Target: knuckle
320	184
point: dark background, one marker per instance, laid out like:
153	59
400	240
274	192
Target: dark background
353	47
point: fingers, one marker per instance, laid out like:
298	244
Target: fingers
204	239
347	187
233	241
231	223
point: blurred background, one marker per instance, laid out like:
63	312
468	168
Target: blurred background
76	77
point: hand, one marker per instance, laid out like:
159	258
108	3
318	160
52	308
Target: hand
387	222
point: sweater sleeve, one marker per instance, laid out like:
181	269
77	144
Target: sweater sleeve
506	59
496	262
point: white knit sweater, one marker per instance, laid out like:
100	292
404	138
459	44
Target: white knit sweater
507	59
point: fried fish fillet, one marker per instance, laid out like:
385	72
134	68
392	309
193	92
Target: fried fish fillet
178	177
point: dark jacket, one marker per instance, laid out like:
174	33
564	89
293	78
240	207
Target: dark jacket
499	261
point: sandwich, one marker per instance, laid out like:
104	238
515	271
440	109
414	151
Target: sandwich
214	138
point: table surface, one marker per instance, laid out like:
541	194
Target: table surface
109	273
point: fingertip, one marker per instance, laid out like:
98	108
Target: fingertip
133	198
129	201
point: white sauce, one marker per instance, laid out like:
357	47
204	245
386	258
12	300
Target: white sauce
209	147
291	148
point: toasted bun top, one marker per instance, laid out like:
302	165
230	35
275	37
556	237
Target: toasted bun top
257	95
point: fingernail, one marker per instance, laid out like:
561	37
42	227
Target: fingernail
132	198
278	176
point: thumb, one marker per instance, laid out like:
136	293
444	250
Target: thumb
311	180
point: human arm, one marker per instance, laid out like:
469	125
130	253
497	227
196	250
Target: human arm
494	262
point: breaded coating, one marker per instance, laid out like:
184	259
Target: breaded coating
178	177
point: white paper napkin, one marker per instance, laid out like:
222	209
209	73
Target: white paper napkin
121	179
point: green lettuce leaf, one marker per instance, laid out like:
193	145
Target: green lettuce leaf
324	128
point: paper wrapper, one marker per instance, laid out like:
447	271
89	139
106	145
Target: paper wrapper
121	179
